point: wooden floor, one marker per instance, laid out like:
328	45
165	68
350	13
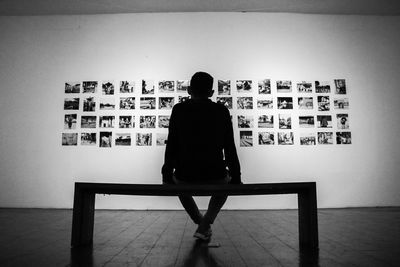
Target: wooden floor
348	237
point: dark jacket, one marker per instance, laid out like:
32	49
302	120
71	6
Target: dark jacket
200	135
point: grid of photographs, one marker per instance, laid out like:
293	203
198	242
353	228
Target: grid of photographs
264	112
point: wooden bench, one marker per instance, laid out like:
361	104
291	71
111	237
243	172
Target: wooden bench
84	203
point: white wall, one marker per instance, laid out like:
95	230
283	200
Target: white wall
39	54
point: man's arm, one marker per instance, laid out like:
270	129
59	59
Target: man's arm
167	170
231	156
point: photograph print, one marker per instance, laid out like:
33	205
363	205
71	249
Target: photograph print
285	121
285	103
89	87
72	88
284	86
88	121
226	101
105	139
244	86
122	139
182	99
325	138
147	87
106	121
264	86
127	103
306	122
166	102
107	88
182	86
265	103
163	121
245	102
324	121
266	121
126	121
166	86
304	87
323	103
305	103
148	121
245	121
88	139
224	87
143	139
89	104
341	103
107	104
69	139
340	86
70	121
343	138
127	87
147	103
322	87
71	104
246	138
161	139
266	138
285	138
342	121
307	139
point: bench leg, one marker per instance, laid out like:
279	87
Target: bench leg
308	220
82	218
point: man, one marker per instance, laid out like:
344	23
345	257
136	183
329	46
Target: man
200	148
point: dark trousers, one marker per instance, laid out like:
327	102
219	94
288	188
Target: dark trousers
214	206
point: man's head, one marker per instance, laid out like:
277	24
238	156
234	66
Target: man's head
201	85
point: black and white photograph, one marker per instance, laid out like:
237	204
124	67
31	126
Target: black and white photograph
323	87
71	103
266	121
107	104
224	87
107	88
166	102
342	121
307	139
325	138
126	121
88	121
285	121
148	121
343	138
89	87
147	103
89	104
304	87
266	138
70	121
246	138
163	121
245	121
182	86
265	103
72	87
127	103
127	87
161	139
264	86
148	87
340	86
226	101
285	102
106	121
245	102
323	103
122	139
105	139
144	139
69	139
284	86
285	138
166	86
244	86
182	99
341	103
324	121
305	102
88	139
306	121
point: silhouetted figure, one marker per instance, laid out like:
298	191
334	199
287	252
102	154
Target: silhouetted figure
200	148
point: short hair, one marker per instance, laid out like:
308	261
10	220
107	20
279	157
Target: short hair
201	83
